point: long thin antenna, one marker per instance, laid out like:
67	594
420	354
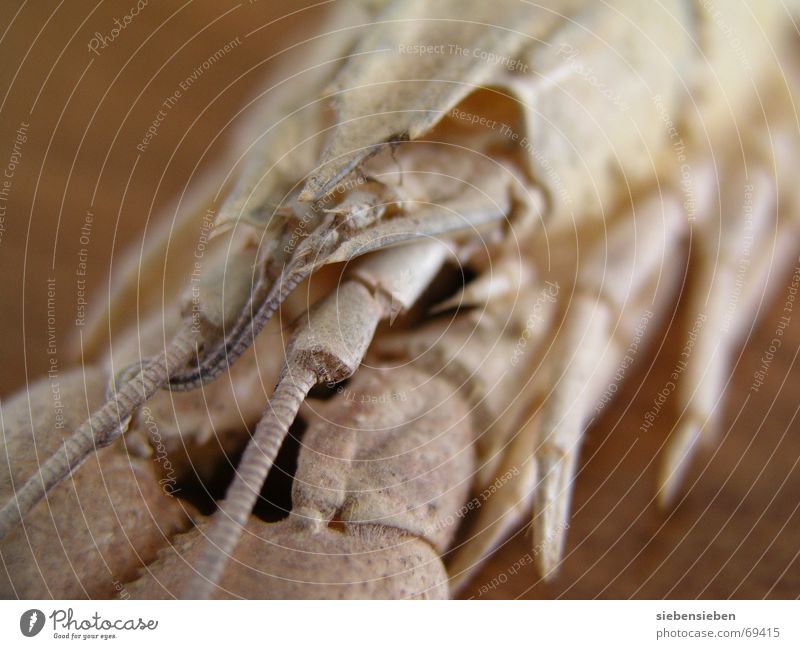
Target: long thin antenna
329	347
252	472
240	338
101	429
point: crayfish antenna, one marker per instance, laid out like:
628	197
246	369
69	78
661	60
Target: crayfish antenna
328	348
252	320
256	463
101	429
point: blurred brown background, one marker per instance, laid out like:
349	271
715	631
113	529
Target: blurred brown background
734	535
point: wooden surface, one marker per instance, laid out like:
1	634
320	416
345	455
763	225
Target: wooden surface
734	535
